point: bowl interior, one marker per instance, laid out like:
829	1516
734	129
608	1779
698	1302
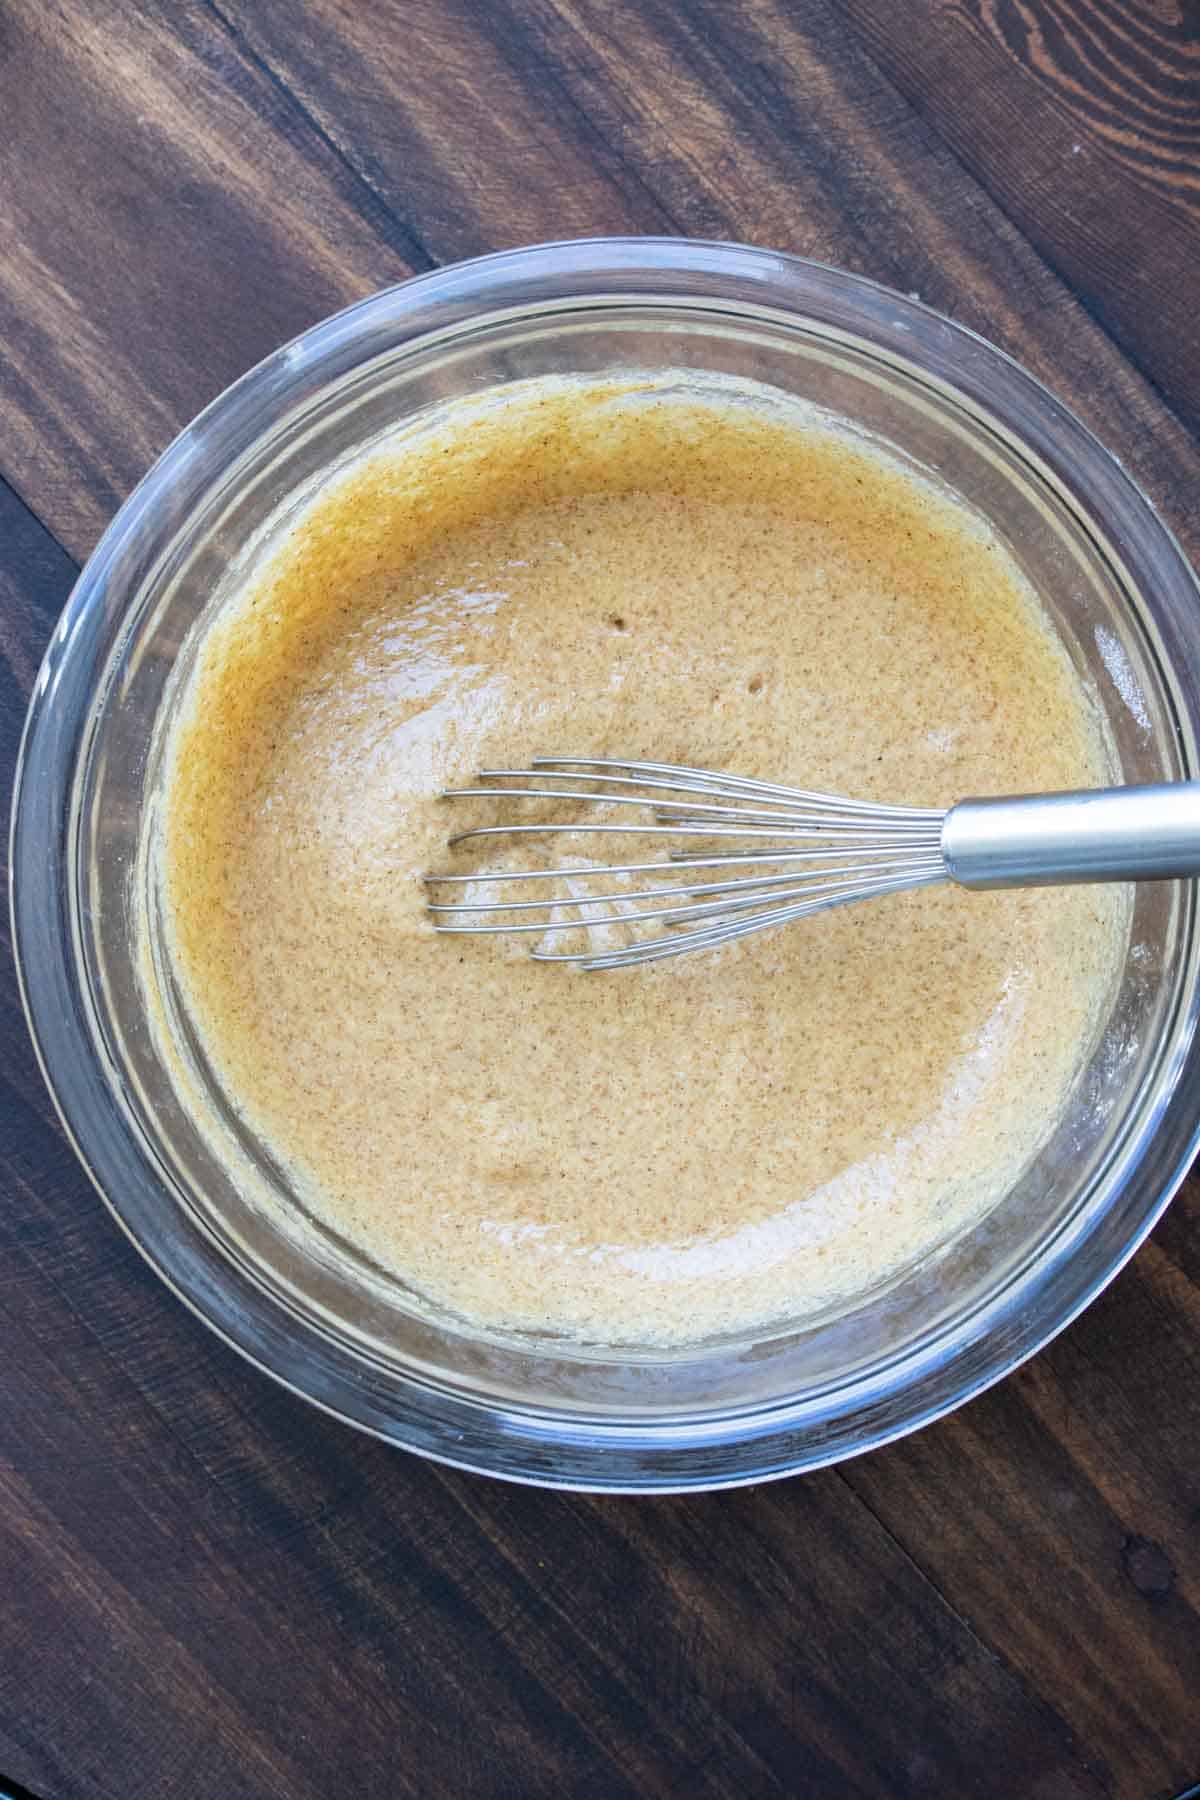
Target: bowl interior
307	1304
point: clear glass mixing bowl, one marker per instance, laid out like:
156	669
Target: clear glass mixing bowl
174	1164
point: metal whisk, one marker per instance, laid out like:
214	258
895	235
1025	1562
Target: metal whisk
791	853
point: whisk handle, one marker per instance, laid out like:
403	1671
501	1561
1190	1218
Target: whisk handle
1105	834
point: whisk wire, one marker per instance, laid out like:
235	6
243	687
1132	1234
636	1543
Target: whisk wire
744	884
708	937
691	779
697	910
832	851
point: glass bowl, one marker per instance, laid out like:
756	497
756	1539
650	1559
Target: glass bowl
175	1166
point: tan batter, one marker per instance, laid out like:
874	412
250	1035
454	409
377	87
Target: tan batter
707	1144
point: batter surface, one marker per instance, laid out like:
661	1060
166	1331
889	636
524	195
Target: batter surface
703	1145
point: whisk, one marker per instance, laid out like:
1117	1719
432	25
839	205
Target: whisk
744	856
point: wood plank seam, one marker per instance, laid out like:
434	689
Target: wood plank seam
1097	1770
463	1495
518	48
9	491
518	63
976	178
409	245
1130	364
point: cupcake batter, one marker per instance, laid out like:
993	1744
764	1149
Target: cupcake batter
703	1145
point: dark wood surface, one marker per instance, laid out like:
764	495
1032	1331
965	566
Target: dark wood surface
209	1589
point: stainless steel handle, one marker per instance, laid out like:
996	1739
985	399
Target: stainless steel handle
1107	834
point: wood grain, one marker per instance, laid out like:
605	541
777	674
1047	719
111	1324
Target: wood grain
208	1587
1081	119
168	216
763	121
1081	1523
35	578
226	1563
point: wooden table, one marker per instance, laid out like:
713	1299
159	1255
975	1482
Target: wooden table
208	1588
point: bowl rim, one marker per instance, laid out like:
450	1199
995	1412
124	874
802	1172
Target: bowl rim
536	1447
